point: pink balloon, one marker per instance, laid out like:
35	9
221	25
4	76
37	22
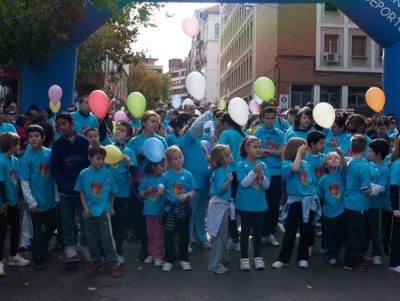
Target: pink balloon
119	115
55	94
254	106
191	27
197	112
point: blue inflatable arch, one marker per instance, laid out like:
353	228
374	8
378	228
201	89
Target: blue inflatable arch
379	19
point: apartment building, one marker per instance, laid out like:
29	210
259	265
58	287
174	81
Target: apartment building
177	73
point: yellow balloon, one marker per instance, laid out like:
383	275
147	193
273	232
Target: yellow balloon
375	99
324	114
55	107
113	154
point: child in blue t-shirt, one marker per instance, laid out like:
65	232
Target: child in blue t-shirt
378	199
330	191
356	204
220	207
250	201
97	189
39	193
302	209
11	201
148	189
177	185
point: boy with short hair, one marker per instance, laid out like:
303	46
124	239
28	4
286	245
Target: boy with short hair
378	199
10	199
381	128
39	193
356	205
97	191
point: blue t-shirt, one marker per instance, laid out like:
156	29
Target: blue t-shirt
173	139
357	176
82	122
380	174
8	175
121	174
330	189
394	174
152	202
298	183
97	185
297	133
317	166
7	127
136	124
35	168
218	178
233	138
271	139
251	198
333	141
176	184
346	143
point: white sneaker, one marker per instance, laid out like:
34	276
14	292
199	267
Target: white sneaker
318	225
395	269
85	252
205	245
322	251
121	259
233	246
2	269
259	263
185	265
377	260
70	252
272	240
190	250
149	259
278	265
310	250
157	262
303	264
18	261
333	261
244	264
167	267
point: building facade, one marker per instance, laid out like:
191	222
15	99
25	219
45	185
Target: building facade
177	72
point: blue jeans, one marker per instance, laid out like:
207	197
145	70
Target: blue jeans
68	206
334	235
372	233
197	220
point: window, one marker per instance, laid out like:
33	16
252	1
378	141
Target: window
216	30
330	8
300	95
358	46
380	52
331	95
357	97
331	43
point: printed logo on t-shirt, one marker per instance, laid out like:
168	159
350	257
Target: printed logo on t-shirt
83	128
256	182
319	172
177	189
334	190
349	153
13	177
96	189
333	143
270	145
303	178
153	194
44	170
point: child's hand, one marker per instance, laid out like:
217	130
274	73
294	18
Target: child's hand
184	197
34	209
257	168
396	213
339	151
161	191
302	150
126	159
148	190
261	175
87	213
112	212
230	177
3	209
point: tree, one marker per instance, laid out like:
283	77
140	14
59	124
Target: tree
154	86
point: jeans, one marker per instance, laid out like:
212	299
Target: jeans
182	229
71	205
198	204
254	221
118	221
99	238
355	225
372	233
273	196
12	219
334	235
43	226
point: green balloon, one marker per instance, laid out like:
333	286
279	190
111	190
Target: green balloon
136	104
222	104
264	88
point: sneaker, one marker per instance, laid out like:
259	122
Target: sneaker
377	260
167	267
221	270
94	267
310	250
149	259
333	261
24	249
185	265
278	265
121	260
272	240
115	271
18	261
2	269
386	248
70	252
303	264
85	252
57	247
233	246
318	234
143	254
205	245
190	250
318	225
357	268
395	269
259	263
364	258
322	251
157	262
263	241
244	264
39	263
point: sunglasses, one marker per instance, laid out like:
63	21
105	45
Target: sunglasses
393	122
11	114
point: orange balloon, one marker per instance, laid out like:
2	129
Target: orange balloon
375	99
98	103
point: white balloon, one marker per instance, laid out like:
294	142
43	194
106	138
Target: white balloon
238	110
324	114
196	85
257	99
187	101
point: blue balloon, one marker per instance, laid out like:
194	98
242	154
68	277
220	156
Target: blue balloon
154	150
176	101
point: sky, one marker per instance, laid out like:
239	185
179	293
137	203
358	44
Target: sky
168	40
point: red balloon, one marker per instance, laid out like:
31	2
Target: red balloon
98	103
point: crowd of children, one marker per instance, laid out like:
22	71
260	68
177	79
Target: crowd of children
345	178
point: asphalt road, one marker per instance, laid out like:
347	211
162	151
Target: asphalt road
142	281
